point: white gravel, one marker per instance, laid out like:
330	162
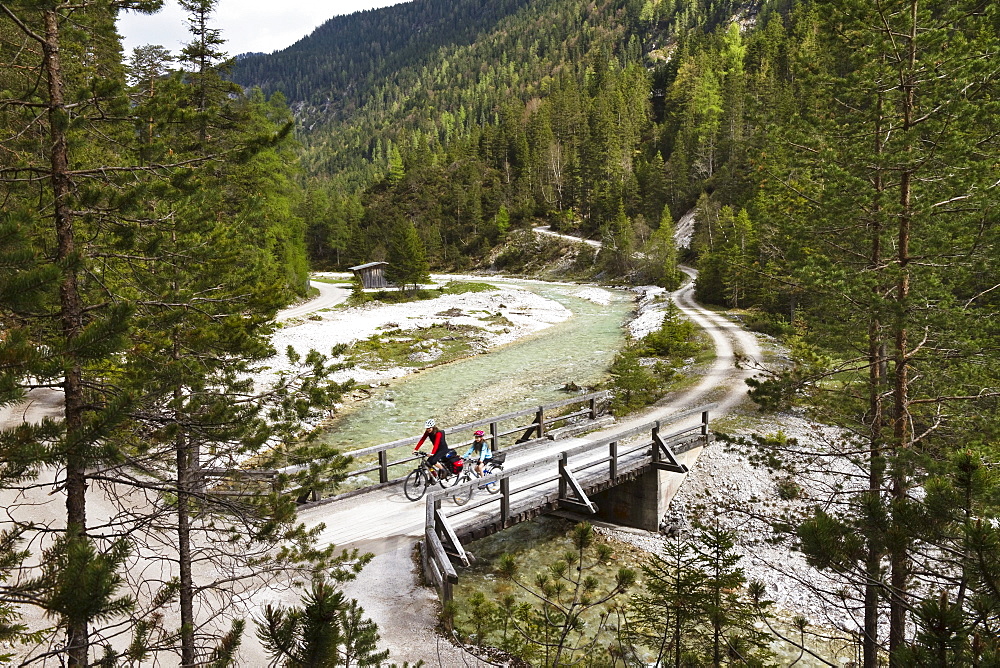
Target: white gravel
731	488
525	312
653	301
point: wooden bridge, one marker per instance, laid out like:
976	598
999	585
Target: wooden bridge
565	480
392	461
620	476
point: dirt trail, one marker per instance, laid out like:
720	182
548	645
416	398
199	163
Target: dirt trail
329	296
723	382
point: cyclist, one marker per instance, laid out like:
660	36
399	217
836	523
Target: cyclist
479	451
439	447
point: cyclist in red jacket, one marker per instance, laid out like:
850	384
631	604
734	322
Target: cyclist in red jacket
439	448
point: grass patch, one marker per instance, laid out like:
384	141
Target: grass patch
331	281
461	287
498	319
414	348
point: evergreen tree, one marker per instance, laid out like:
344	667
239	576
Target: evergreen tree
132	293
328	630
408	260
206	310
694	610
877	162
62	120
618	243
665	615
658	259
396	169
552	627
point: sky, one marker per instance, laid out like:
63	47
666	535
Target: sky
246	25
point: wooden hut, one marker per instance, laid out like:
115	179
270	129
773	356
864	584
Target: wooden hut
372	275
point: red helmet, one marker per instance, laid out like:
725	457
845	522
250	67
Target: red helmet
479	432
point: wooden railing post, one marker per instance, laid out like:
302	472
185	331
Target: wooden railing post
656	449
383	466
504	502
430	519
704	423
563	463
593	408
540	418
613	455
494	430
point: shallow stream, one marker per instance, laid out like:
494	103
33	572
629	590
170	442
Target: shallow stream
528	372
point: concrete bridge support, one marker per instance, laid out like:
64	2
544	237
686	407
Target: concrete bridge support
641	503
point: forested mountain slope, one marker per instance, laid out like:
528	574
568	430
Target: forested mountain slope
343	60
548	113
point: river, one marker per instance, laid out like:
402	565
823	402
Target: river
524	373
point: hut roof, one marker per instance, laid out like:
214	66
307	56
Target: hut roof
367	266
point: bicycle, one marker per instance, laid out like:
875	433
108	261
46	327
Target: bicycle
492	466
420	478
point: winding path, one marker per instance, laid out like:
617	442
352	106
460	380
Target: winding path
329	296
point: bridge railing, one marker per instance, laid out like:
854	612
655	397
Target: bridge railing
623	455
528	424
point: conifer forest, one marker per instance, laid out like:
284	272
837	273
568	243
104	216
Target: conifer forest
841	159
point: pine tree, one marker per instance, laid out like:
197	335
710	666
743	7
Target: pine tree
694	610
328	630
552	626
396	168
659	255
62	120
223	258
618	243
408	262
666	614
882	156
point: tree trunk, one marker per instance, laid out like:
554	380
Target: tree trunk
876	383
71	313
186	593
184	556
899	557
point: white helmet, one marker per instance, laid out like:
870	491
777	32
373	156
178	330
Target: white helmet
430	423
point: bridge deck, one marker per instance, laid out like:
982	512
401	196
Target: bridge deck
384	519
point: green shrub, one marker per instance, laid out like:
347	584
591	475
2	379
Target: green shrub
633	384
788	489
674	339
771	324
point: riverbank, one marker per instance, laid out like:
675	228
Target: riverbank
389	341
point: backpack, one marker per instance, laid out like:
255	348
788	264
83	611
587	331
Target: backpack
455	463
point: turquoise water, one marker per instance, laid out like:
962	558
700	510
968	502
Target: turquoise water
525	373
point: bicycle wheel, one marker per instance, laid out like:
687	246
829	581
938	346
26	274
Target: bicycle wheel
493	486
462	496
415	484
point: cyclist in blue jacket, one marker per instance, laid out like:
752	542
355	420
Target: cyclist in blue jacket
479	451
